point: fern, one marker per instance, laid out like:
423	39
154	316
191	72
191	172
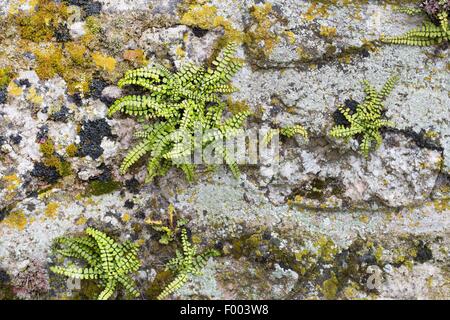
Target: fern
367	120
176	106
170	229
432	32
185	264
107	261
288	132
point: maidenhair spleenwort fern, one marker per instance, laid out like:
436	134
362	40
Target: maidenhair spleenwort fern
288	132
108	262
178	106
435	31
185	264
366	121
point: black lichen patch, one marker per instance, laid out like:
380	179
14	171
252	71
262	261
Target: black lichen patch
91	136
421	139
132	185
319	189
42	133
339	118
4	212
77	99
129	204
424	253
24	83
15	138
97	87
61	115
62	33
3	95
6	292
199	32
89	7
45	173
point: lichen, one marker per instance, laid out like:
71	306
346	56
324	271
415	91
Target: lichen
16	220
51	210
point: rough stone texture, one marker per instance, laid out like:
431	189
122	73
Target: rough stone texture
317	225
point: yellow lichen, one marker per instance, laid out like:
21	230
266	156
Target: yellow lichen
81	221
205	17
126	217
330	287
34	98
104	62
316	10
16	220
328	32
5	76
260	39
51	210
14	89
47	148
12	182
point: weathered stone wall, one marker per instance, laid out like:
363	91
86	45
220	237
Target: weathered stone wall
316	226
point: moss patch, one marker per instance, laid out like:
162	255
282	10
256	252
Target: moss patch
98	187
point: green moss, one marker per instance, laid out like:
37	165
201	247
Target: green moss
47	148
161	280
53	160
330	287
5	76
71	150
6	292
97	187
93	25
40	25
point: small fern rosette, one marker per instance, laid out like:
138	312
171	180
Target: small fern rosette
106	261
366	121
185	264
177	106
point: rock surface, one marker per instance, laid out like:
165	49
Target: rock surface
324	223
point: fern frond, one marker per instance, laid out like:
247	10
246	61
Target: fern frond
188	99
427	35
185	264
108	262
292	131
367	121
388	87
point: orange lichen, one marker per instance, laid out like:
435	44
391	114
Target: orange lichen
137	56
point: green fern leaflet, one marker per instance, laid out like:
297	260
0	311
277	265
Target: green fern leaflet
366	122
288	132
108	262
177	106
429	34
186	264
